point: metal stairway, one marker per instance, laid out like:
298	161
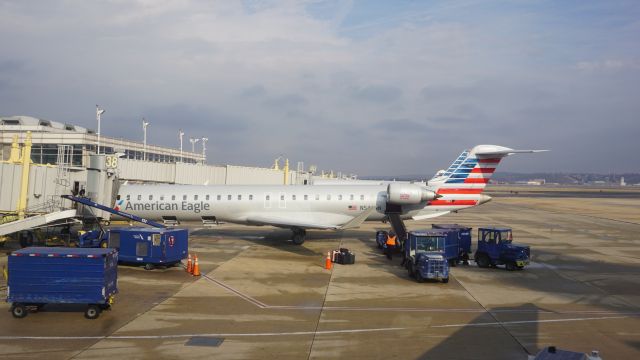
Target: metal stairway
398	227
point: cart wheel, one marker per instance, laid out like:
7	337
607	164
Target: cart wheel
419	277
148	266
511	266
92	312
18	311
445	280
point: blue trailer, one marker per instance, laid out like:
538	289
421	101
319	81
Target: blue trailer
149	246
463	240
381	238
425	255
42	275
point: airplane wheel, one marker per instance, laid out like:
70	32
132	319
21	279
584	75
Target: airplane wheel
511	266
298	236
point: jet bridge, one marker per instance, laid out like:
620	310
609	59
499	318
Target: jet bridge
35	221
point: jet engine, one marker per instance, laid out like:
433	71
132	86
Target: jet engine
408	194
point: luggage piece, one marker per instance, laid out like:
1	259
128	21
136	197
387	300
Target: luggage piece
339	258
348	258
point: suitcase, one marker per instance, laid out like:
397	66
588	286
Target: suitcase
348	258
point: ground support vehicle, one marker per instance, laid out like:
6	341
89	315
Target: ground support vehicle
381	238
463	243
425	257
42	275
149	246
495	247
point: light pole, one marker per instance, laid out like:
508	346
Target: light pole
193	144
99	113
180	135
145	124
204	149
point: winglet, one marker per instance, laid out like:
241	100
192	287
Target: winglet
358	220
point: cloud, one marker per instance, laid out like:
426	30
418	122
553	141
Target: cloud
331	83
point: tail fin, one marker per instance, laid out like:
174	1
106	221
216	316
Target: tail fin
471	171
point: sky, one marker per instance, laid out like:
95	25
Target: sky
365	87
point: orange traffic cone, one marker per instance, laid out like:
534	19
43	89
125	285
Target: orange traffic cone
196	267
327	262
189	264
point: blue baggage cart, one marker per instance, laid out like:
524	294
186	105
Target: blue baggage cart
463	240
150	246
43	275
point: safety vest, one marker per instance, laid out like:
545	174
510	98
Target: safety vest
391	240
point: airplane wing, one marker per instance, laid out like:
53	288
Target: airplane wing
322	221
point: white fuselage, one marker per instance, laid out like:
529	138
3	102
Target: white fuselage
332	204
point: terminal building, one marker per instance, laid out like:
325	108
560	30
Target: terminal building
61	157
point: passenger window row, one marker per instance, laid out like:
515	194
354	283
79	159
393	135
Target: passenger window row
239	197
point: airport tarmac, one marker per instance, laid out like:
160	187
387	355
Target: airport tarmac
263	297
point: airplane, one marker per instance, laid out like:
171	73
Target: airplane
325	207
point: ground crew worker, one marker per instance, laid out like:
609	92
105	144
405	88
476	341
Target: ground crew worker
391	244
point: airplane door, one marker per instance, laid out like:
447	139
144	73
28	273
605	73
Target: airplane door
282	203
267	200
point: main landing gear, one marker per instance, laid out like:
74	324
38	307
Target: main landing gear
298	236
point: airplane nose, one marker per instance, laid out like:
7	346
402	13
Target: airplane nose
484	199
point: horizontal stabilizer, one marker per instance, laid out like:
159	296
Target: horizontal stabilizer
429	216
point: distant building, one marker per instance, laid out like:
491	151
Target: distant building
622	183
537	182
47	135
